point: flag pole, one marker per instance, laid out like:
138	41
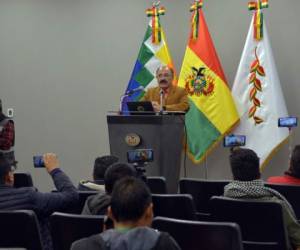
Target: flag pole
205	166
290	142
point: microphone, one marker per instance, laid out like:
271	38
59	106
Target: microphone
161	97
130	92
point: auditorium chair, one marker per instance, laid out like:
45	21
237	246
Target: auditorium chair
22	180
291	193
83	195
19	229
196	235
202	191
179	206
67	228
261	222
157	184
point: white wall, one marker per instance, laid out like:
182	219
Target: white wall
65	63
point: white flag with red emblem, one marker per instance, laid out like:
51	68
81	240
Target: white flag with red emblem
258	97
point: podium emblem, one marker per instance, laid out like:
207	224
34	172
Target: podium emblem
132	139
140	108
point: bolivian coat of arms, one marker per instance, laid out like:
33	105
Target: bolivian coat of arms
199	83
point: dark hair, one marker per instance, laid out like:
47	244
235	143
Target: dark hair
115	172
1	106
101	164
5	168
294	169
130	199
244	164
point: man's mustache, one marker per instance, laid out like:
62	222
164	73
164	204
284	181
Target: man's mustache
163	81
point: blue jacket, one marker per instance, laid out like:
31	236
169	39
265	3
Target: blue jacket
43	204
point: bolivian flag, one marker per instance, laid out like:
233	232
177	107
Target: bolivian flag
212	111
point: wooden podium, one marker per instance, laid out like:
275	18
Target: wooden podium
162	133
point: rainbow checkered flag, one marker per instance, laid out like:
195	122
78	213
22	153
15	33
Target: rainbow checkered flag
153	53
212	111
257	91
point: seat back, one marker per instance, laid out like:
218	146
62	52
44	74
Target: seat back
202	191
179	206
260	221
196	235
22	180
157	184
19	229
67	228
83	195
291	193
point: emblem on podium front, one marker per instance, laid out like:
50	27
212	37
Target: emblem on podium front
132	139
140	108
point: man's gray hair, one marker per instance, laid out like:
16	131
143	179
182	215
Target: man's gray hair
161	67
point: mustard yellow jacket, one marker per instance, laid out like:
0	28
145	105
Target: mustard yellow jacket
176	100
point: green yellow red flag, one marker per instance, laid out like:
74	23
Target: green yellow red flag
212	111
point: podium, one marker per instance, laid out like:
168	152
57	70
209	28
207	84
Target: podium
162	133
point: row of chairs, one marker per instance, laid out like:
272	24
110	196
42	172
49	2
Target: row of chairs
20	229
203	190
200	190
157	184
269	233
261	223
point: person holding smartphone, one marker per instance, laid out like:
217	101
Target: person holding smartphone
43	204
98	204
247	184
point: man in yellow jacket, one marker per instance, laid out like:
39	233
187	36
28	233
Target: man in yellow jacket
173	98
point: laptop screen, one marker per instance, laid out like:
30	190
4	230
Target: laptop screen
140	108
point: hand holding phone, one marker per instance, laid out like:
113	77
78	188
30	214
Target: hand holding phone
288	122
234	140
48	161
38	161
51	161
140	156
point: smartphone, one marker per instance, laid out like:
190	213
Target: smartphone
288	122
234	140
140	155
38	161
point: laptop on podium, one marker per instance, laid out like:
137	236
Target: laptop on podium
140	108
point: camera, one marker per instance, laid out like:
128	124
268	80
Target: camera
38	161
140	156
288	122
234	140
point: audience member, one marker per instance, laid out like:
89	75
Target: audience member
97	204
43	204
248	185
7	137
131	210
100	166
292	175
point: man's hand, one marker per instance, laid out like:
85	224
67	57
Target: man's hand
156	106
50	161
